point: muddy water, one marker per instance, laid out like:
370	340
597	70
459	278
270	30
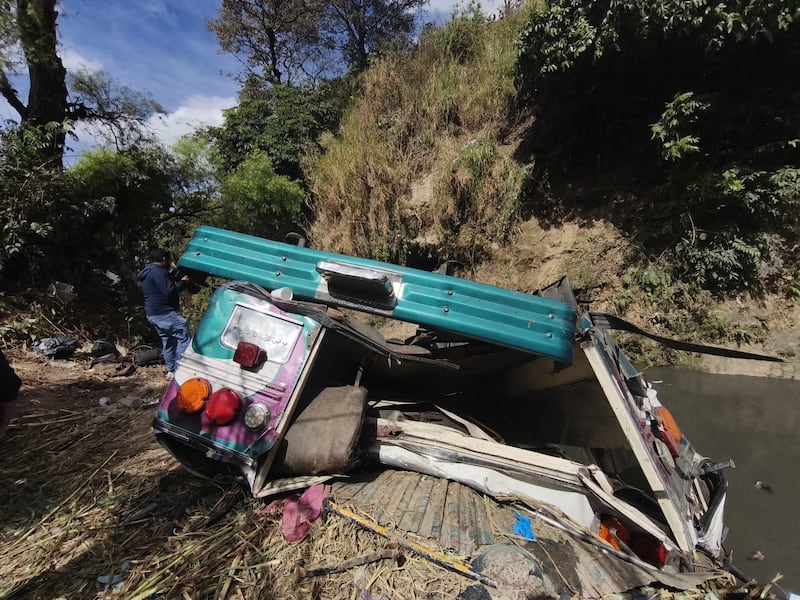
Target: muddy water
756	422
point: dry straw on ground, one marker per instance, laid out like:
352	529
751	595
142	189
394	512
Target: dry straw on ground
88	493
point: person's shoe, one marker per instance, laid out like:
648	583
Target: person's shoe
170	376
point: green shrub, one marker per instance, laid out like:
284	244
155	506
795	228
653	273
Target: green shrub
32	196
463	37
256	201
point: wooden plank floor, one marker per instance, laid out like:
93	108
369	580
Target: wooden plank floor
455	515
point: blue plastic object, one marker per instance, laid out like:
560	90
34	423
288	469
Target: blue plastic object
523	527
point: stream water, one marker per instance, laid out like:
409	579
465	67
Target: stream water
756	422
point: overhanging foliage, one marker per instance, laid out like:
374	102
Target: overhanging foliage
693	105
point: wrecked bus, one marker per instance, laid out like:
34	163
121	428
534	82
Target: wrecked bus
289	381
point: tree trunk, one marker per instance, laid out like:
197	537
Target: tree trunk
47	98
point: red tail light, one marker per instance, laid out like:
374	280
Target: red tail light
249	355
223	405
616	534
649	549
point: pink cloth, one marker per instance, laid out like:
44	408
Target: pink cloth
299	513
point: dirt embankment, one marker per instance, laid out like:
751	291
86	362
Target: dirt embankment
589	249
593	257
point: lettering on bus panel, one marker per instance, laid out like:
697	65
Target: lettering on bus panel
271	333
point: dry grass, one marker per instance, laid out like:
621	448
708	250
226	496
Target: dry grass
476	201
87	492
410	109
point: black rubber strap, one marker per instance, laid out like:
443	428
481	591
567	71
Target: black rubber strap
612	322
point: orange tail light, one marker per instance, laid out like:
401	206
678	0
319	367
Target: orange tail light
613	531
193	394
671	434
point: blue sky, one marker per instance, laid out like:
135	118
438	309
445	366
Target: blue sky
161	47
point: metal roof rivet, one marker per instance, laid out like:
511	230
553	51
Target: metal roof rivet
449	292
446	309
277	273
550	335
283	258
551	316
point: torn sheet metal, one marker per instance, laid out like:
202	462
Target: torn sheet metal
499	485
501	471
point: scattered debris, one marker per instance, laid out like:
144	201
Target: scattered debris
475	592
56	347
761	485
114	582
390	552
113	368
146	355
523	528
103	349
64	293
300	512
757	555
131	401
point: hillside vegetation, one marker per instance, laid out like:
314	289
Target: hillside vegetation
649	152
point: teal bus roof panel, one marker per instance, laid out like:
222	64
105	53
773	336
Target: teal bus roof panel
485	312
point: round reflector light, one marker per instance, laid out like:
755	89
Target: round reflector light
256	416
222	406
192	394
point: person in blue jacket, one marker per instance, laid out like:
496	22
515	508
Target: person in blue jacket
161	306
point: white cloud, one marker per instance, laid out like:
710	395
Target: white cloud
440	6
195	112
446	6
74	61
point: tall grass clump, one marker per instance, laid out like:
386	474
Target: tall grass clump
476	201
356	187
456	84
